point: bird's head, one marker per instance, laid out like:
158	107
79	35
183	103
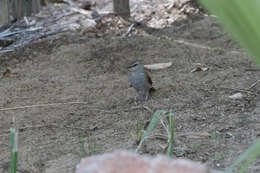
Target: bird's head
134	66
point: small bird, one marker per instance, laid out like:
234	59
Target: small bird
140	81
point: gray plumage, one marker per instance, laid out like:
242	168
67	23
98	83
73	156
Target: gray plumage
140	81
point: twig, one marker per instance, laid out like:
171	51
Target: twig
129	30
200	46
237	89
160	136
53	125
58	104
43	35
148	109
24	30
28	40
254	84
193	44
47	125
6	50
165	128
41	105
12	26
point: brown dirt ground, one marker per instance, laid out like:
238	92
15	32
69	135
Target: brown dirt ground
210	127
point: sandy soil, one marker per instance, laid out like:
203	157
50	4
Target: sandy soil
89	75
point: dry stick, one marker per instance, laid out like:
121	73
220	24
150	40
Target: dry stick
27	41
54	125
254	84
148	109
48	125
201	46
21	31
166	128
195	135
129	30
43	105
68	103
237	89
159	136
193	44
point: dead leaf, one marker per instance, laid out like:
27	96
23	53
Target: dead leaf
199	67
204	134
236	96
8	72
158	66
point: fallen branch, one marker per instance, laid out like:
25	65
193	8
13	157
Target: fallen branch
21	31
28	40
41	105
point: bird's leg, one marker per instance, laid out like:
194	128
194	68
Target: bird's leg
142	95
146	95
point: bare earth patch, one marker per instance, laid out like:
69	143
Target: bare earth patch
89	74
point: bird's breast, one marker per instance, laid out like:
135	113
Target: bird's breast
139	81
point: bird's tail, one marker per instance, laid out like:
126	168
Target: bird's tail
152	90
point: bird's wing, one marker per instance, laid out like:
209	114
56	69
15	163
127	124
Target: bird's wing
149	78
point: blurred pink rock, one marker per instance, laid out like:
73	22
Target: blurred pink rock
128	162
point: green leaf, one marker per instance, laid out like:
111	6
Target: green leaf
171	130
151	126
13	149
241	19
249	156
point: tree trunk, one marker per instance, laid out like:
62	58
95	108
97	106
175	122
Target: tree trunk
4	12
34	6
23	8
121	7
19	9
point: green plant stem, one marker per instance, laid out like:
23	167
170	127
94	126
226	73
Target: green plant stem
14	149
171	130
150	127
249	156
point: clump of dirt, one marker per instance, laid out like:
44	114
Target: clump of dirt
71	97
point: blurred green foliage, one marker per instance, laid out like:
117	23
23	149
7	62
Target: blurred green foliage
241	19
